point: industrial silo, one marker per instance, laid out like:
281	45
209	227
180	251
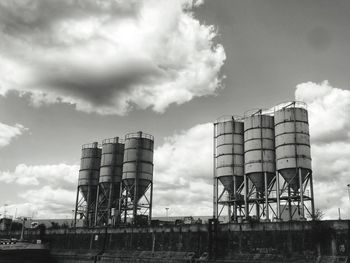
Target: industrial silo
108	191
229	164
259	161
87	183
137	177
293	157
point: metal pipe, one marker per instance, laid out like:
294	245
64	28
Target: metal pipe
215	185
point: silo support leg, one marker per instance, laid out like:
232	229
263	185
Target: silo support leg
301	185
246	206
266	197
278	195
76	209
312	196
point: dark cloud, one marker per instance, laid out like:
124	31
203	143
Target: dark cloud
107	56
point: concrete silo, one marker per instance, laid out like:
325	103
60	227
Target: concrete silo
259	162
108	190
293	159
87	183
228	166
137	179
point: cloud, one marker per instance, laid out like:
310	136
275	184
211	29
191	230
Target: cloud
183	173
329	111
46	202
107	56
8	133
56	175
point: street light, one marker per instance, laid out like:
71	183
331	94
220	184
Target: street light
349	191
166	212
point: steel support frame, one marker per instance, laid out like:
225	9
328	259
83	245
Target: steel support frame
104	204
234	206
262	202
131	207
303	199
84	208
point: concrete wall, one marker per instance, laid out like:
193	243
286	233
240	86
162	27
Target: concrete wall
224	241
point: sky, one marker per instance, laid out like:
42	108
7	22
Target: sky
74	72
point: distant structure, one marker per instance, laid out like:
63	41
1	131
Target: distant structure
277	172
108	190
137	180
115	183
87	184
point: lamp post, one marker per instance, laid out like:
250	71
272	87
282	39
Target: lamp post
166	212
349	191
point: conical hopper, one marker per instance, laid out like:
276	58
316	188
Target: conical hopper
258	180
227	182
291	176
141	189
84	189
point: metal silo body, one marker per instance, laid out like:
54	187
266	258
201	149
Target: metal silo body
137	168
259	149
88	180
292	144
110	179
89	169
293	161
230	153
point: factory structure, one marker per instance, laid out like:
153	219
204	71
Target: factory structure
116	181
262	165
262	171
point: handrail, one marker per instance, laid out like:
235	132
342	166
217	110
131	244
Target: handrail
139	135
91	145
113	140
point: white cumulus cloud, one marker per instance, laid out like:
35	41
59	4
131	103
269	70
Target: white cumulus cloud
108	56
183	173
56	175
329	111
8	133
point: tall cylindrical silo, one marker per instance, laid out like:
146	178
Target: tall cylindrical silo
259	149
110	179
138	168
88	178
292	142
229	153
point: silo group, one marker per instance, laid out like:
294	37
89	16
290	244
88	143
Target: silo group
275	179
116	181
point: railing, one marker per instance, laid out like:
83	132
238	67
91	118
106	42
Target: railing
91	145
290	104
226	118
139	135
113	140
